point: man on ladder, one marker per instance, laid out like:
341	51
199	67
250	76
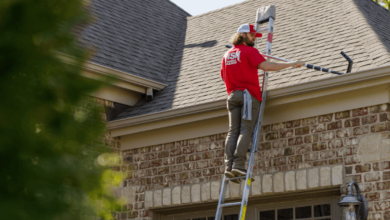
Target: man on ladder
239	72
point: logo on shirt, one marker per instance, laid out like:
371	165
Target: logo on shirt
232	58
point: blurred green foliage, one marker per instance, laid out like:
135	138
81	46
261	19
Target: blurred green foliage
48	149
384	3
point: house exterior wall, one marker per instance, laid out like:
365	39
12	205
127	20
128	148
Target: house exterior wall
305	154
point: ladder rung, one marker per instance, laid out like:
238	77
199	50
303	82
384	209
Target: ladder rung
264	29
236	178
230	204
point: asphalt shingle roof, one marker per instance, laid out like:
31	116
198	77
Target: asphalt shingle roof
312	31
135	36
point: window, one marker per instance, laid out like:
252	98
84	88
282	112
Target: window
307	212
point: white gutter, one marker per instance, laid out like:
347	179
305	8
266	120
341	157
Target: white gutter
276	96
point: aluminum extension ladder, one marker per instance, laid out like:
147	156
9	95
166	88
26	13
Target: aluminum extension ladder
264	15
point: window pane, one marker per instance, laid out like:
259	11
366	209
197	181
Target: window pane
199	219
285	214
303	212
321	210
210	218
267	215
231	217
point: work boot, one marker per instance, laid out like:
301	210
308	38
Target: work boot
229	174
241	172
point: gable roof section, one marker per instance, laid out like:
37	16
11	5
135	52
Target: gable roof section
135	36
312	31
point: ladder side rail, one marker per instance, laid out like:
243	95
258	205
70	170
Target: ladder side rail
221	200
257	130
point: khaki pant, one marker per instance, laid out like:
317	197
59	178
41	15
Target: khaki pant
240	130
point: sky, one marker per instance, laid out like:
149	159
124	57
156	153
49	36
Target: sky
197	7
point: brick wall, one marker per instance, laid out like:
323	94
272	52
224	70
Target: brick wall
357	140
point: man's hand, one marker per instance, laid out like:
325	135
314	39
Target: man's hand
297	64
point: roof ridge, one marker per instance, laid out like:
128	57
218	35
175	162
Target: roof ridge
357	19
219	9
179	7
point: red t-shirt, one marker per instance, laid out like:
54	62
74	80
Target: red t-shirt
239	70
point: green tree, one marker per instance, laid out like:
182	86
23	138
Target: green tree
50	133
384	3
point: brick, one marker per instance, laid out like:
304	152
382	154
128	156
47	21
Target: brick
216	162
195	157
169	178
320	163
183	176
385	195
353	122
201	164
307	139
286	133
359	112
194	141
189	150
385	107
334	125
337	143
279	126
175	152
373	196
330	135
151	156
376	166
163	154
348	170
295	141
384	117
339	152
273	153
318	128
162	170
294	159
302	149
157	163
209	172
201	148
309	121
180	144
216	145
370	119
144	150
265	146
220	153
208	155
271	136
175	169
266	128
169	146
144	213
302	130
341	115
386	175
363	168
145	165
352	160
383	185
361	130
310	156
168	161
208	139
288	151
372	177
325	118
279	161
279	143
157	148
335	161
326	154
385	165
315	138
319	146
139	158
157	180
350	141
196	174
374	109
343	133
356	178
380	127
295	123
